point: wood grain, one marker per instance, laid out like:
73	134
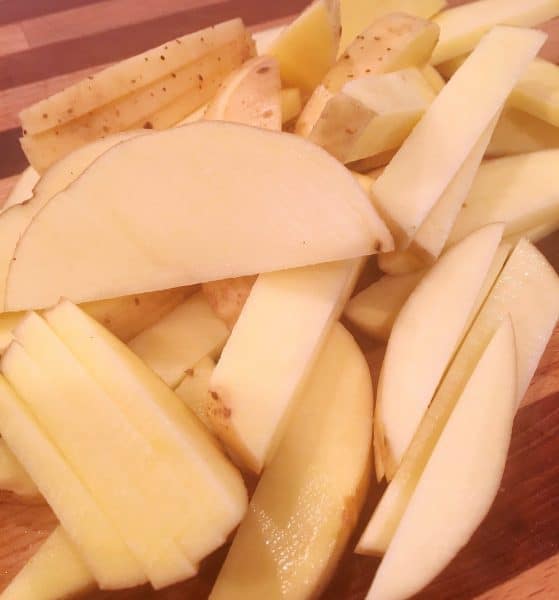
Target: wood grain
47	44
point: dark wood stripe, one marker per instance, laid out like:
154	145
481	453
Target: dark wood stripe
521	530
12	11
67	56
12	159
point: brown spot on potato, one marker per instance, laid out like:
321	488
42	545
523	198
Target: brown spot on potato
263	70
148	125
189	373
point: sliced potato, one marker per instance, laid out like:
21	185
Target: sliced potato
127	77
463	26
310	496
396	41
519	191
250	95
433	78
194	389
518	133
372	114
399	262
23	189
414	180
291	104
179	340
191	86
228	296
357	15
315	34
375	309
13	477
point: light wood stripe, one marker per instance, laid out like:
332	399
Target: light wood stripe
541	581
12	39
92	19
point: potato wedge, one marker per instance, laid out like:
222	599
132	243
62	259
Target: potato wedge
357	15
372	115
315	34
396	41
309	498
173	167
463	26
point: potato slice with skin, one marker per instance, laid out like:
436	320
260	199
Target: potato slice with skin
375	309
311	224
414	181
372	114
86	524
228	296
309	498
194	389
266	359
463	26
462	476
520	191
127	76
193	86
315	34
446	295
527	285
250	95
291	104
23	189
16	220
356	15
395	42
179	340
13	477
519	133
55	571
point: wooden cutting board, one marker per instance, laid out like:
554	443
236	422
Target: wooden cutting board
47	44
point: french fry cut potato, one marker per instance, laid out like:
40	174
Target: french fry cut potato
527	289
414	180
519	191
55	571
463	476
250	95
518	133
319	213
86	524
15	221
431	237
463	26
375	309
309	498
537	92
13	477
433	78
179	340
191	87
434	317
23	189
394	42
372	115
356	15
266	359
127	77
315	34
